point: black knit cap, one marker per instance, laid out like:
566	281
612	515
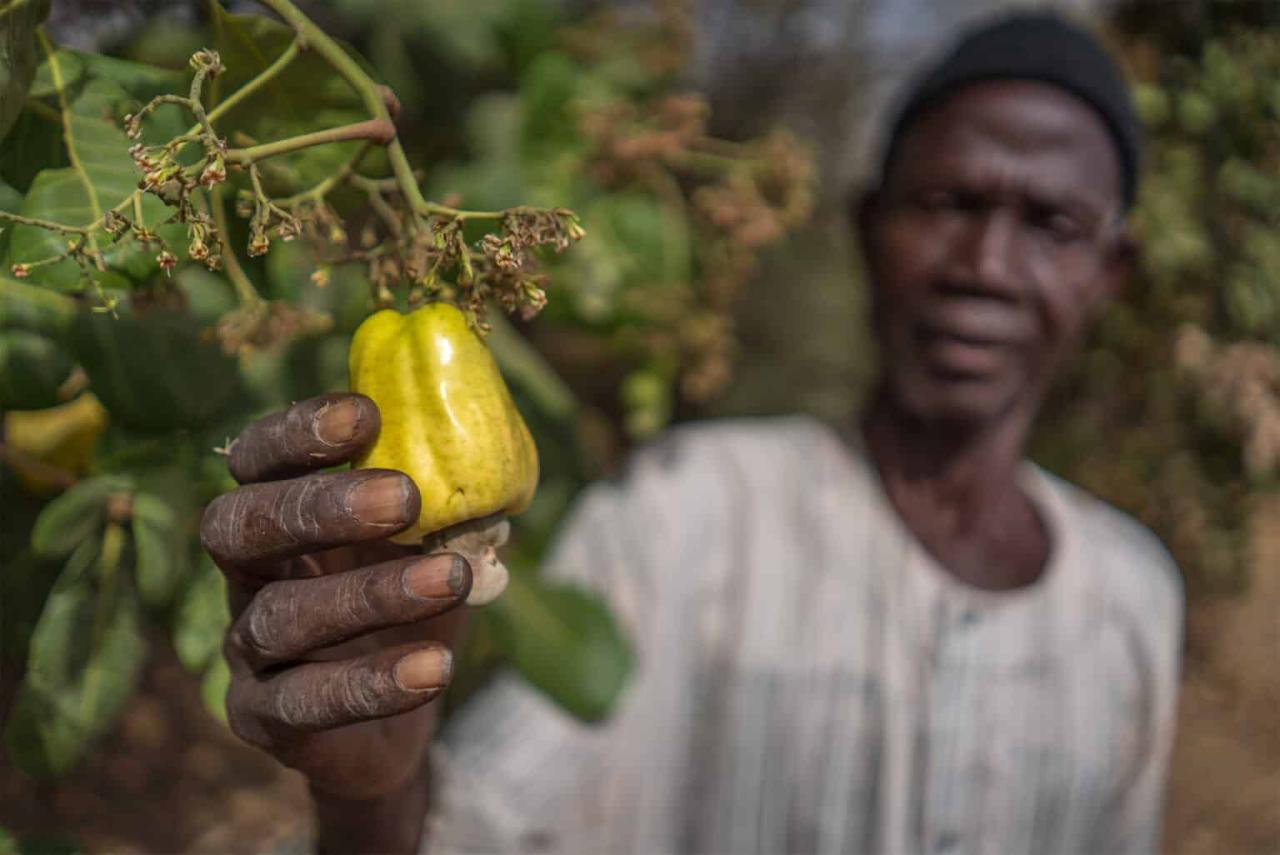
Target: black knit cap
1037	46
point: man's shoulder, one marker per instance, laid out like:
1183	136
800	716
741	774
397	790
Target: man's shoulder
723	470
1130	559
759	443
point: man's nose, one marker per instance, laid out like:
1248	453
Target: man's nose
988	257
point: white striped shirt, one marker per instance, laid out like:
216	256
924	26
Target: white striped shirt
810	680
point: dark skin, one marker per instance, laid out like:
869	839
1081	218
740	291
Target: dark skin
339	640
995	236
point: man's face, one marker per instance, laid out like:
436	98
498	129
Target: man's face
996	234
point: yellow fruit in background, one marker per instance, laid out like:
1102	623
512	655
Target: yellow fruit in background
448	422
63	437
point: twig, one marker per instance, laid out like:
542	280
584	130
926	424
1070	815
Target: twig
370	93
43	224
375	130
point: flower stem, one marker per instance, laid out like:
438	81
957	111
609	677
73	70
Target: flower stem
197	106
43	224
375	130
369	91
244	288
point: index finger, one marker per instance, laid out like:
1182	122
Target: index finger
258	524
312	434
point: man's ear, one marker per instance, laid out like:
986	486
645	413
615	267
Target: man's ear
1121	262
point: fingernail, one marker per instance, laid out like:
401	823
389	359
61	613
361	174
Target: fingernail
425	669
381	500
436	576
336	424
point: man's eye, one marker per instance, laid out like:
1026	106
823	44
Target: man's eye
946	201
1059	226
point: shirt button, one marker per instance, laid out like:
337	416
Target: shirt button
537	840
947	841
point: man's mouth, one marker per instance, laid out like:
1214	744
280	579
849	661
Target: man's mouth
964	354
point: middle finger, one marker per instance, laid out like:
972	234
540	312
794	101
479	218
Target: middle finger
288	619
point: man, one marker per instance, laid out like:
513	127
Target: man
900	637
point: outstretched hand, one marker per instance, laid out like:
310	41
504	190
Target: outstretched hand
339	637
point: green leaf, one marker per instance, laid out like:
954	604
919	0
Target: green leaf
345	298
527	369
156	372
10	199
634	241
652	238
67	73
8	843
565	642
20	512
160	541
202	617
10	203
141	81
19	20
32	368
66	521
494	177
65	66
474	34
213	688
101	176
33	144
86	655
208	295
316	365
306	96
547	93
39	310
24	585
51	843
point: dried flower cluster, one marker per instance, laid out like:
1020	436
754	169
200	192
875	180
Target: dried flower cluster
1239	382
745	196
658	36
434	258
266	324
409	243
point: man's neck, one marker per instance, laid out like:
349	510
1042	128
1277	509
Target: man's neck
957	490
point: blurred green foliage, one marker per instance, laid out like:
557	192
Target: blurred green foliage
1174	412
100	512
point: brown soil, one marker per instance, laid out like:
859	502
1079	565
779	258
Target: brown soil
171	779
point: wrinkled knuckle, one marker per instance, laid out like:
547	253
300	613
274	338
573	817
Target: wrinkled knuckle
357	599
363	692
288	709
259	629
301	506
